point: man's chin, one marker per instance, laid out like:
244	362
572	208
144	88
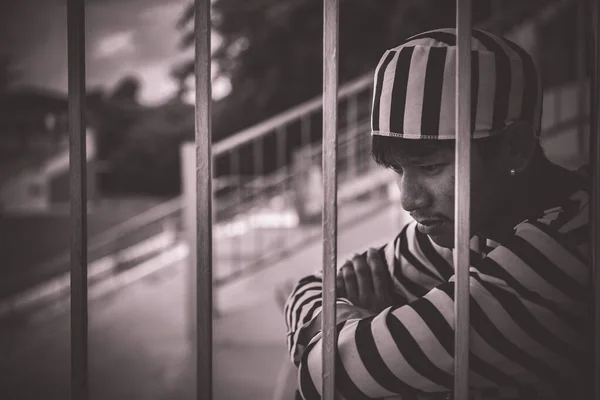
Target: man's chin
441	233
443	240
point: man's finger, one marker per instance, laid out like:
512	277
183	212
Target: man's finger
340	285
379	271
365	281
350	282
382	278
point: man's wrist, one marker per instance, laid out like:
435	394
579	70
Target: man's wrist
344	312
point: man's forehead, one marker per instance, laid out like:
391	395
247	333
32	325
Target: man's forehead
414	155
421	149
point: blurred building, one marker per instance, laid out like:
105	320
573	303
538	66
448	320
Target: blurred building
34	152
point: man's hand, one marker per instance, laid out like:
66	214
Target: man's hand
366	282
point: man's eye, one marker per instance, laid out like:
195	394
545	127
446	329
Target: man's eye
397	170
431	167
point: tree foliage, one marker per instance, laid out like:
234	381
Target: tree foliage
117	112
148	159
140	144
271	50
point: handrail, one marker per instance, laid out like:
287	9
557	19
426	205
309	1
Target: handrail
259	130
363	82
150	216
276	178
316	149
157	213
352	87
147	217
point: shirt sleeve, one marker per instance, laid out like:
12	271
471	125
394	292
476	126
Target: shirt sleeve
528	329
415	263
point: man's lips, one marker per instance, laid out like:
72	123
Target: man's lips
431	219
431	226
428	222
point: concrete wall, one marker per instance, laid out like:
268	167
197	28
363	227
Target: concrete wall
41	188
29	191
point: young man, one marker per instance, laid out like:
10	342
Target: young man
530	278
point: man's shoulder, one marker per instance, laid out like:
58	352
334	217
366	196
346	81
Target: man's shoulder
560	228
571	214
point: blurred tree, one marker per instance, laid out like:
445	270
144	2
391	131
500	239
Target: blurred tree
127	90
117	111
180	73
147	161
271	50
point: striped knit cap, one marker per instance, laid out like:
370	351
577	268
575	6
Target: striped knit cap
415	85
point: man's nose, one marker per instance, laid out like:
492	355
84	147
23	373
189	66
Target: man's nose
413	195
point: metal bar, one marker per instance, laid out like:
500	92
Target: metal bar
595	194
364	82
204	219
78	198
462	200
330	117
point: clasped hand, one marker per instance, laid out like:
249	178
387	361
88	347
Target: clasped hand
366	281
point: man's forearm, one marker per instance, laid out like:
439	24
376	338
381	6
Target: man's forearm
344	312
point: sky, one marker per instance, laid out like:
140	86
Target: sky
123	37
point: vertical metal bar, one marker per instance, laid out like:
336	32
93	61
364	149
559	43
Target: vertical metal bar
595	194
330	98
462	200
204	300
78	198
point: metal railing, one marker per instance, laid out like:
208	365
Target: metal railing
242	202
253	180
279	128
238	194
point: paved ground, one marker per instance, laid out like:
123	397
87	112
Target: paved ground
138	346
139	349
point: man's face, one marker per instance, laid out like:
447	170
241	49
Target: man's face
427	192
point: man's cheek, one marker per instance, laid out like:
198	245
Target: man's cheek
448	199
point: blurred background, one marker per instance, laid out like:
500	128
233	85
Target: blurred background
266	120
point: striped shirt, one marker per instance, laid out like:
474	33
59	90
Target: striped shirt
530	301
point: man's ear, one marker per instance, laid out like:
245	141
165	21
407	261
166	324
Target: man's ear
521	143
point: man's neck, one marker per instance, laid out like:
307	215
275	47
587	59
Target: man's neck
539	188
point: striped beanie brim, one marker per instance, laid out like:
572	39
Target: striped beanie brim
415	86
